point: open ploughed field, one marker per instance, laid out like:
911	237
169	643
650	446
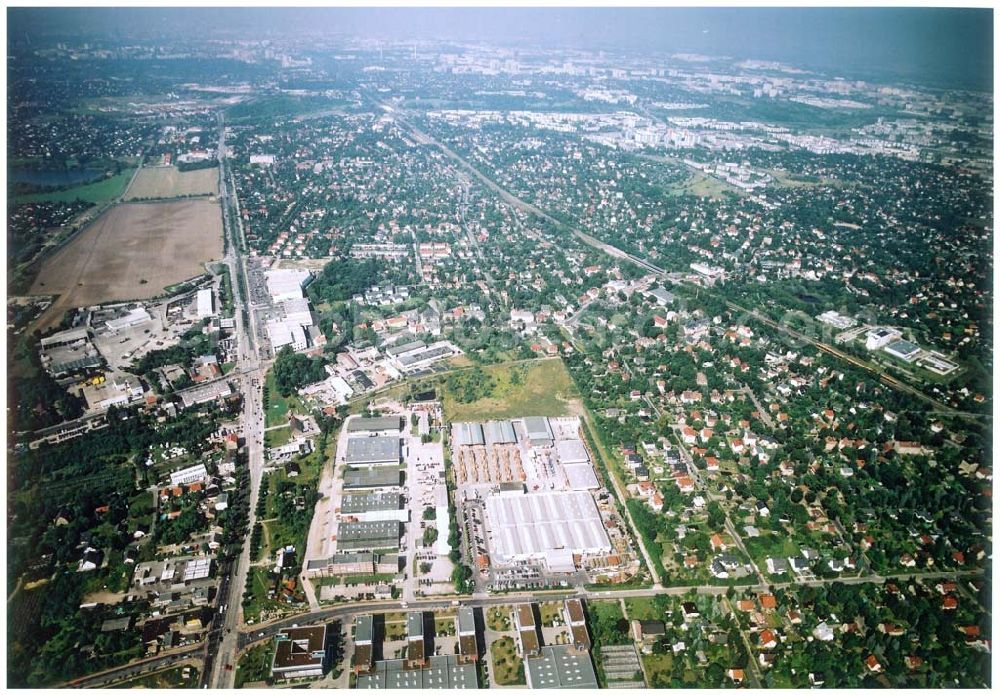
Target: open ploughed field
132	251
170	182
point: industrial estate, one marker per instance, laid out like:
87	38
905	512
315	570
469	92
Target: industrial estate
356	363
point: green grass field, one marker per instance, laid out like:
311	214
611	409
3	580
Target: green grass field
277	437
255	665
659	667
97	192
498	618
647	608
508	668
703	186
549	612
170	679
546	389
277	405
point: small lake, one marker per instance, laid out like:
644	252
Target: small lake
54	177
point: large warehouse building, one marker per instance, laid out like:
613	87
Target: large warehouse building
368	535
283	285
373	451
547	526
374	425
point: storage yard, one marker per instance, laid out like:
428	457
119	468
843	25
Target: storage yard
531	503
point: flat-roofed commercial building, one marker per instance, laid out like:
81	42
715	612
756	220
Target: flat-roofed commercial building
373	506
416	640
204	394
441	519
561	666
572	451
904	350
580	476
375	425
367	535
364	648
418	359
367	478
528	637
546	526
577	621
374	451
465	624
203	303
282	333
406	348
297	311
135	317
286	284
538	430
300	653
344	564
441	673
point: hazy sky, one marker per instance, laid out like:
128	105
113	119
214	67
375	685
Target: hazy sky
939	46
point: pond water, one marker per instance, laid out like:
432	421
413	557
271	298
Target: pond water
54	177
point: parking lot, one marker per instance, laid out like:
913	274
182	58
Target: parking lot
169	320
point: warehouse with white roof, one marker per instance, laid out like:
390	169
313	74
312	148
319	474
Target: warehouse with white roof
203	302
286	284
547	526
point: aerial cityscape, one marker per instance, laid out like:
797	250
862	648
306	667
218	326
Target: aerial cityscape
499	348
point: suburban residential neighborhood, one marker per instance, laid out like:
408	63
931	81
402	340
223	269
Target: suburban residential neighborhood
343	358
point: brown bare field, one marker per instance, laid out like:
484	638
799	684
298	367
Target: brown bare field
159	243
170	182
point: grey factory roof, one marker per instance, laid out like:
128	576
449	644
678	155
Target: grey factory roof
367	535
561	666
346	559
500	432
375	424
75	364
581	476
368	451
542	524
406	347
442	672
369	502
69	336
538	430
364	628
432	354
903	347
466	620
371	477
468	434
415	625
572	451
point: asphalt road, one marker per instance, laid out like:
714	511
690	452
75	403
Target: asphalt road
220	648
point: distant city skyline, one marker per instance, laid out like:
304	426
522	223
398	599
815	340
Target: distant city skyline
932	46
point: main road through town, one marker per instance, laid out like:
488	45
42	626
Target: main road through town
221	645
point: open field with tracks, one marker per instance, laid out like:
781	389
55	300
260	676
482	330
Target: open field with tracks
170	182
132	251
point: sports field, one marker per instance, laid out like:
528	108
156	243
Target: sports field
132	251
170	182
